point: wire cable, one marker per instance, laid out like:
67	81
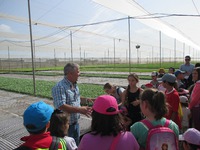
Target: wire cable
195	7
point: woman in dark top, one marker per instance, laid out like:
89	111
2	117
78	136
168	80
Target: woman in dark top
131	98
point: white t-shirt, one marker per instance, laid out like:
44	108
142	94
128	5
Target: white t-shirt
185	120
70	142
119	90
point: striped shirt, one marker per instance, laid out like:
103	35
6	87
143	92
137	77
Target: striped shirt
64	92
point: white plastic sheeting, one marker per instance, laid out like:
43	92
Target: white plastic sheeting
132	9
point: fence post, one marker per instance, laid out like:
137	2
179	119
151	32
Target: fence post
22	63
0	64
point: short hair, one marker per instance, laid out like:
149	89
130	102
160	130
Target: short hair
188	57
70	67
107	86
33	127
156	101
172	69
57	122
197	65
106	125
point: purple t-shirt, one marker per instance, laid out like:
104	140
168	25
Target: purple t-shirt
96	142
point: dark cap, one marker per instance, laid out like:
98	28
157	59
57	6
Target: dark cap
169	78
178	72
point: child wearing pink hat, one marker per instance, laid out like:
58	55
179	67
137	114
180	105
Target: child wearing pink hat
191	139
107	130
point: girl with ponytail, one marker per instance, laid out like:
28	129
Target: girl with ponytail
154	108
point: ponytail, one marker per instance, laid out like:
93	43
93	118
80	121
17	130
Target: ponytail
156	101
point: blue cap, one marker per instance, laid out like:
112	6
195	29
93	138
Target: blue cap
37	114
178	72
169	78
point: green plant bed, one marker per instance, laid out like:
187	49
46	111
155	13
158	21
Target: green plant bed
147	67
43	88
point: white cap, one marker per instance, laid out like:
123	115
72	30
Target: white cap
183	99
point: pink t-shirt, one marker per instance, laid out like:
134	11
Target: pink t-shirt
195	97
96	142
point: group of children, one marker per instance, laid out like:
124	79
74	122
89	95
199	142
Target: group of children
126	118
169	101
177	95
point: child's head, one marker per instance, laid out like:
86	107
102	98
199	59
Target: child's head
191	139
133	79
168	80
37	117
171	70
105	116
184	101
108	88
59	123
179	74
161	71
154	75
153	101
196	74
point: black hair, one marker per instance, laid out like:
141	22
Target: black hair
58	121
172	69
106	124
197	65
188	57
192	146
156	101
184	104
32	127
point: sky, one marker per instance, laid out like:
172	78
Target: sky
52	22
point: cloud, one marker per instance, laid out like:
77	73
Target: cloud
5	28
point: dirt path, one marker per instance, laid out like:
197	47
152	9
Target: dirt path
92	80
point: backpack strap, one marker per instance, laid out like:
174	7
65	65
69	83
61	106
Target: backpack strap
55	142
115	141
148	124
167	122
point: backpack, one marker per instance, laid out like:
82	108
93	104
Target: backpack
118	88
160	137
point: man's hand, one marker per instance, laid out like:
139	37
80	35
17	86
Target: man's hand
85	110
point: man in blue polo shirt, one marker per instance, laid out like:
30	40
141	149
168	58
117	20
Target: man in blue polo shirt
187	67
